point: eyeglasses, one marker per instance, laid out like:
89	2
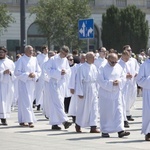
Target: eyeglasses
112	62
70	59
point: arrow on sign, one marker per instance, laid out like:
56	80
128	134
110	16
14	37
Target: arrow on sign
90	31
82	30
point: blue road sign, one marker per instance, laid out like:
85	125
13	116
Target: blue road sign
86	28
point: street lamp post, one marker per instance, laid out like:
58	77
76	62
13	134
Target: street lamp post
22	25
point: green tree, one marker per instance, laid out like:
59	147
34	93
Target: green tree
5	17
58	19
129	27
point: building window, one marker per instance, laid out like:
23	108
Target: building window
148	3
121	3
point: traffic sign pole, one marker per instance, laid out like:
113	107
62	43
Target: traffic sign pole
88	45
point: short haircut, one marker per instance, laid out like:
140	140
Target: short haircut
126	46
3	48
65	49
27	47
126	53
44	47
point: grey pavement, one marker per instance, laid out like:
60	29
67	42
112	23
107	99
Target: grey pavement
41	137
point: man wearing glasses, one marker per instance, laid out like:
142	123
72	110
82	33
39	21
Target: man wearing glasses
111	79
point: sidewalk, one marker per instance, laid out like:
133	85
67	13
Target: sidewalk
41	137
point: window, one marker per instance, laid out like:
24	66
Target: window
121	3
148	3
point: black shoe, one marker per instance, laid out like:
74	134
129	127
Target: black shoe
123	133
126	124
147	137
67	124
38	107
105	135
56	127
4	122
130	118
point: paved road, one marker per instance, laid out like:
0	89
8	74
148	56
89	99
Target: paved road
14	137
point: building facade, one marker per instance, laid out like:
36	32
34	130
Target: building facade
11	37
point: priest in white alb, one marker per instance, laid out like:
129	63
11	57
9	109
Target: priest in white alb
6	85
57	69
86	89
27	71
143	80
111	79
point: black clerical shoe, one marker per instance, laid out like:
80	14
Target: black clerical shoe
126	124
31	125
129	118
94	129
147	137
67	124
4	122
56	127
105	135
38	107
123	133
24	124
78	128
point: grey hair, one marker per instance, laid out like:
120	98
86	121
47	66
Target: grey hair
27	47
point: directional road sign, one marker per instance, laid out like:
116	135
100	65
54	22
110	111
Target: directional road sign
86	28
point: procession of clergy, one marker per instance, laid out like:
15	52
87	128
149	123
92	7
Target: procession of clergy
100	87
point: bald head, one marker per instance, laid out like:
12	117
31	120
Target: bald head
112	56
112	59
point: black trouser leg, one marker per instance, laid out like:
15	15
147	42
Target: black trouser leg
67	103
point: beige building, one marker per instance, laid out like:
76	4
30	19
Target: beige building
11	37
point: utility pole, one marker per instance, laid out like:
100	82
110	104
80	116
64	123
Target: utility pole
22	25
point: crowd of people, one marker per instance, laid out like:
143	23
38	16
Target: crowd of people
88	87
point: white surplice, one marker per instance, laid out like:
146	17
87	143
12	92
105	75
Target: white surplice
42	58
26	87
143	80
100	62
6	87
57	88
110	98
46	90
131	94
87	108
72	85
124	90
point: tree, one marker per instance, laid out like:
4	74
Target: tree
58	19
5	17
129	25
